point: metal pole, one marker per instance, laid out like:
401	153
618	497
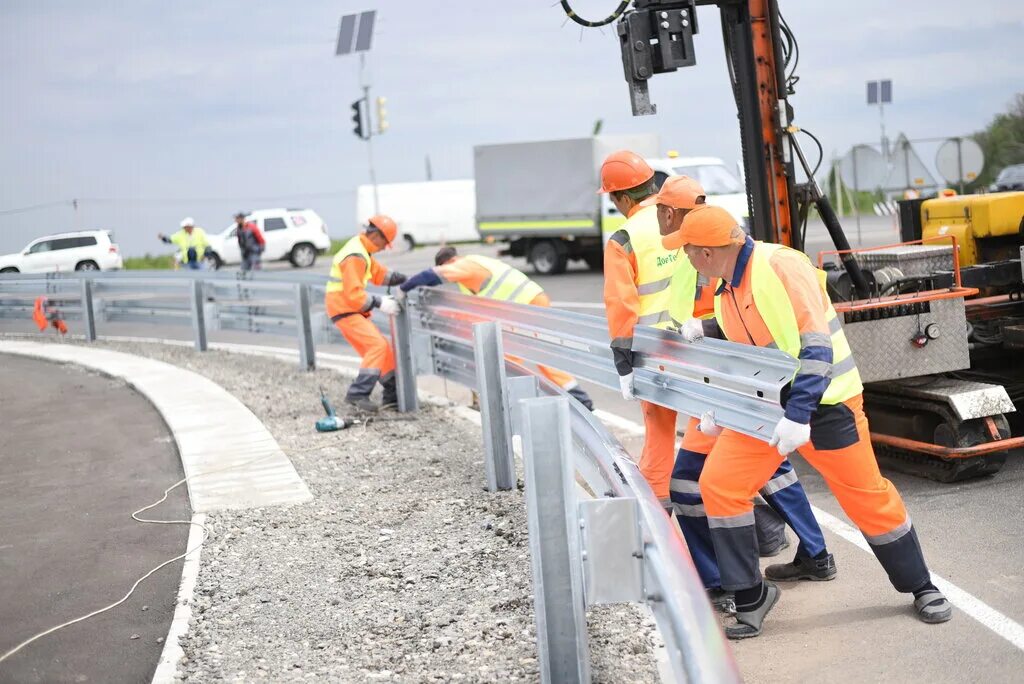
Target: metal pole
856	199
960	164
519	388
369	130
405	367
88	314
198	314
303	322
553	525
499	466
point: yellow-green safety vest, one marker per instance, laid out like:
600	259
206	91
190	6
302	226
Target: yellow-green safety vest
197	240
354	247
776	309
506	284
655	266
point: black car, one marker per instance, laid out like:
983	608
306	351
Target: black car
1010	178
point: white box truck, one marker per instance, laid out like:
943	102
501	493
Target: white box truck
540	198
430	212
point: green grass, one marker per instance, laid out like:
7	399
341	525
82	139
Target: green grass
149	262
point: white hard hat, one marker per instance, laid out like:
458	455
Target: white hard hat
188	221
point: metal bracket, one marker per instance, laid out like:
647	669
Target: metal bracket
612	551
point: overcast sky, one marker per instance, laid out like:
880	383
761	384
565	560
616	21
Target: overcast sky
151	111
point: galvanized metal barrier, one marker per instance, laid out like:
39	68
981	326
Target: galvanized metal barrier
614	545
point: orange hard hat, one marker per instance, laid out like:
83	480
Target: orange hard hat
678	192
706	226
386	225
623	170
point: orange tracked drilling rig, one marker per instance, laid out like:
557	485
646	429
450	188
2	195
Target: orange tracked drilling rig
903	307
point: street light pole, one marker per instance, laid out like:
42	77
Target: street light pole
369	130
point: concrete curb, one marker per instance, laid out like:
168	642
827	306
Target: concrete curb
173	652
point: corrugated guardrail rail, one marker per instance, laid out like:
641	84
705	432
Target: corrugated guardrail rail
597	533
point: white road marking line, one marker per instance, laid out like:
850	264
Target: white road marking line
998	623
973	606
620	423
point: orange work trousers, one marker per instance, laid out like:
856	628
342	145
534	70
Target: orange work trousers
659	452
840	449
374	349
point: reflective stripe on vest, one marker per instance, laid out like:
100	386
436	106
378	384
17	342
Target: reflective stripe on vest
354	247
776	309
655	266
506	284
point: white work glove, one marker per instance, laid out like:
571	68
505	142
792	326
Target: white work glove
400	296
692	330
390	306
708	426
626	387
790	436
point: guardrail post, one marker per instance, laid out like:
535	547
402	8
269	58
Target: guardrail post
499	465
88	314
519	388
405	368
553	527
198	313
307	350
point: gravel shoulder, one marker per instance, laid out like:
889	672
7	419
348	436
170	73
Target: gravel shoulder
402	568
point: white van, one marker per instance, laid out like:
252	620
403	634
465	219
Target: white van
427	213
723	188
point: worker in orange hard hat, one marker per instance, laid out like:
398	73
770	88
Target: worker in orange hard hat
783	499
772	296
494	279
637	273
349	306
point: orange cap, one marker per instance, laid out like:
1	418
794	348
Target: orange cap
707	226
623	170
680	192
386	225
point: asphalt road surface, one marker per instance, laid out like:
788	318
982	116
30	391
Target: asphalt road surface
79	453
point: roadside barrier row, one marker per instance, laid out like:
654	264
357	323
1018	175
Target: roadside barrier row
597	533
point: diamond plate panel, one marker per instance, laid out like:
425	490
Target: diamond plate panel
912	260
967	398
883	349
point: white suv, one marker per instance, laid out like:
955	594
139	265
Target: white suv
89	250
294	234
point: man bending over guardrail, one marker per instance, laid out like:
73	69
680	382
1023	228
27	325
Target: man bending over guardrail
494	279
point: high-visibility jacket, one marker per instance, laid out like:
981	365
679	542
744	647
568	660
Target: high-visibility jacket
354	247
775	306
506	284
638	273
351	269
185	241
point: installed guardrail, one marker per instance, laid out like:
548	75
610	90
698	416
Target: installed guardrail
616	544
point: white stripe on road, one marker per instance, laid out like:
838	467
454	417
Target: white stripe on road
975	607
998	623
620	423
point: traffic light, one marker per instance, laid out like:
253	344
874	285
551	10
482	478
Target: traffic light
361	129
382	115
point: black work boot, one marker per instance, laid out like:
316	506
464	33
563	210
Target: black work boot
390	398
749	621
362	403
803	568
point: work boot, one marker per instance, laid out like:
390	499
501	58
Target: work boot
390	398
749	622
803	568
362	403
932	606
723	601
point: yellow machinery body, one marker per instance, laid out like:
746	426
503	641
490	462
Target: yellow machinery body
986	227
